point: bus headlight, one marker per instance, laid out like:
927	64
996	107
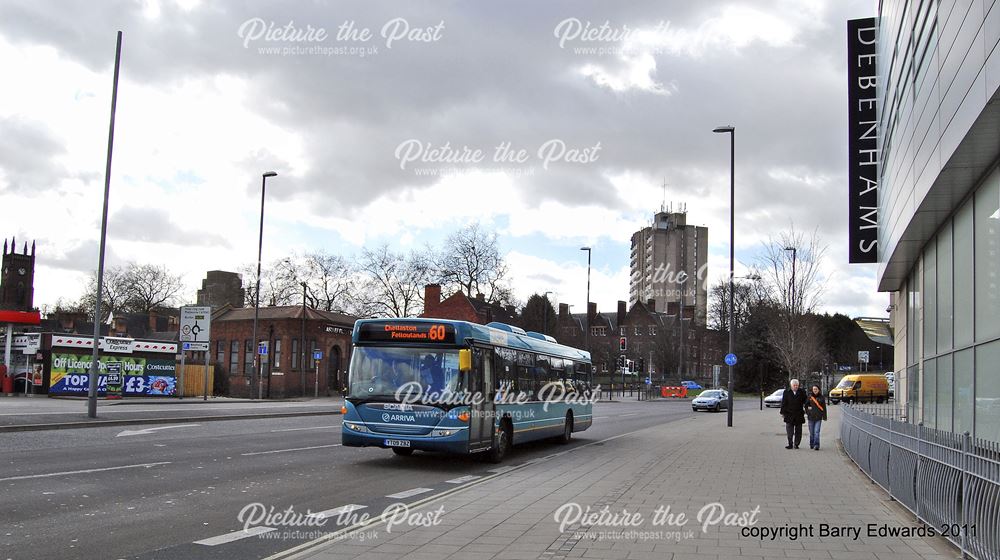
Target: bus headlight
442	433
356	427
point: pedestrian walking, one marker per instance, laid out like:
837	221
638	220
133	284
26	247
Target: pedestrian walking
793	407
815	414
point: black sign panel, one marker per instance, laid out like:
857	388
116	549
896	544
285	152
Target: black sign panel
407	331
862	143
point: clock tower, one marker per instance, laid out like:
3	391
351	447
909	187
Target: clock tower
17	277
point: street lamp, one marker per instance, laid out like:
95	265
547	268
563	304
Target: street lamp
587	331
732	257
545	321
257	365
760	372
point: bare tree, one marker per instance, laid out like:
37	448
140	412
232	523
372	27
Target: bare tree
746	295
152	286
391	283
331	280
790	266
470	262
116	293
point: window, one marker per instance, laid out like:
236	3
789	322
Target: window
248	357
295	354
929	393
963	284
652	330
987	263
638	330
930	301
220	352
944	294
277	354
987	424
944	393
234	357
598	331
962	391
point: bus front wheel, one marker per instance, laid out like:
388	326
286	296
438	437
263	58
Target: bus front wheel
502	444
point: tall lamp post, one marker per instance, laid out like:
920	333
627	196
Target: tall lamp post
732	257
257	365
586	331
792	306
545	321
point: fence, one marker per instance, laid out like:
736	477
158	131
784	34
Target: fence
950	481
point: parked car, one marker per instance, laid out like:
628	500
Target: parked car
714	400
774	399
691	385
870	387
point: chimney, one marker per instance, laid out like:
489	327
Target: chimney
621	313
480	296
651	304
432	297
591	312
563	309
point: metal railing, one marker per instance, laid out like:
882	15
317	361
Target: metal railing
950	481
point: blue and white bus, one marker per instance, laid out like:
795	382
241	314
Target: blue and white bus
458	387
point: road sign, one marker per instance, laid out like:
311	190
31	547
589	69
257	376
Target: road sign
196	324
730	360
317	355
195	346
863	356
262	348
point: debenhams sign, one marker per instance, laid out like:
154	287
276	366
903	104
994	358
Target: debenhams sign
862	144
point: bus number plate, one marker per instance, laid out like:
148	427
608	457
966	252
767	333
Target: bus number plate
397	443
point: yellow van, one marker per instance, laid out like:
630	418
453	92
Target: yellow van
861	388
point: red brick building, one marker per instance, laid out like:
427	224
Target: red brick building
289	370
460	307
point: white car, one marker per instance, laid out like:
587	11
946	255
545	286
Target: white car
774	399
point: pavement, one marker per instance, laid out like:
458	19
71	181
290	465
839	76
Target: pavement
46	413
700	490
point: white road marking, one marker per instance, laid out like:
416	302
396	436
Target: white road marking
463	479
500	470
84	471
147	431
309	428
408	493
234	536
292	449
336	511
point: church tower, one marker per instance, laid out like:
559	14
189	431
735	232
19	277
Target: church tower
17	277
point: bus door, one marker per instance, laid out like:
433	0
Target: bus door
481	421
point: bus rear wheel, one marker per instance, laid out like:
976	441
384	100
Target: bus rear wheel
403	451
567	434
497	453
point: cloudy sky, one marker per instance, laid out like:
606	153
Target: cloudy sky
554	122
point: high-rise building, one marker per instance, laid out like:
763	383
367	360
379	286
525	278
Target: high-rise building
669	265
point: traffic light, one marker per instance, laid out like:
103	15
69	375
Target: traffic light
631	366
621	362
622	344
642	365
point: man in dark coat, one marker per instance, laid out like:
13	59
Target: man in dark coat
793	411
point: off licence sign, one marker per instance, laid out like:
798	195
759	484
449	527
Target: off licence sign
396	331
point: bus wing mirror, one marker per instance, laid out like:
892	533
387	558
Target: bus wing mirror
465	359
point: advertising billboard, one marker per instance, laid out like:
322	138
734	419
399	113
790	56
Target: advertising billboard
70	374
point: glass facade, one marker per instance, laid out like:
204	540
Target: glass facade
953	304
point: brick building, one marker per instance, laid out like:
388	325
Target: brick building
460	307
221	288
289	370
651	336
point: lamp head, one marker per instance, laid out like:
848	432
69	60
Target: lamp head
270	174
723	129
584	248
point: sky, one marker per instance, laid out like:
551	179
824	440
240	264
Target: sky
557	123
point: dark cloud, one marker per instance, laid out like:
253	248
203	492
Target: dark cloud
28	153
153	225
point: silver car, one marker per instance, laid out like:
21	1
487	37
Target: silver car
774	399
714	400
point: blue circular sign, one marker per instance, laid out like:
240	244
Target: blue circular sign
730	359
